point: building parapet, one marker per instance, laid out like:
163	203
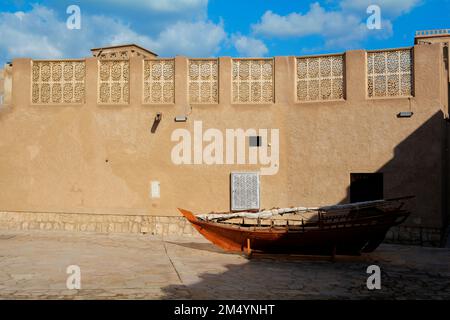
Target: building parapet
389	73
432	33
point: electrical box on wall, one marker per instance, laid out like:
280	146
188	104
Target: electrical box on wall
245	191
155	189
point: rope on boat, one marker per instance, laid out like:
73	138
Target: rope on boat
265	214
255	215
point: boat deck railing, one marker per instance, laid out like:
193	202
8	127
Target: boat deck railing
330	217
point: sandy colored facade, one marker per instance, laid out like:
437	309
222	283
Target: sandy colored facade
85	159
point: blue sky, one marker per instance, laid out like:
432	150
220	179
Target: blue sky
202	28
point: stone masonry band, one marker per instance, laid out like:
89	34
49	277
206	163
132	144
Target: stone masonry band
160	225
85	222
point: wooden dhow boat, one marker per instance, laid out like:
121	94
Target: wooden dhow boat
346	229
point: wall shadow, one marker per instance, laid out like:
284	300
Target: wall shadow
419	167
262	277
290	277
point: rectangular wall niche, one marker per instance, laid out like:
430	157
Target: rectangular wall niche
203	81
366	186
244	191
252	81
159	81
389	73
58	82
320	78
113	82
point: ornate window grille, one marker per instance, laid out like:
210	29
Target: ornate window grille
320	78
58	82
253	81
113	81
159	81
203	81
390	73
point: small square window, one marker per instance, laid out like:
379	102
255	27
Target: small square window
255	141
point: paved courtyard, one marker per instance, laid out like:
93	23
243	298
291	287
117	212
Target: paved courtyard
124	266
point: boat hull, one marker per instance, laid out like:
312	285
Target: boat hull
349	238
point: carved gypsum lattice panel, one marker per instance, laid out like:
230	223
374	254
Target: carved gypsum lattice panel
58	82
113	81
320	78
203	81
159	81
389	73
252	81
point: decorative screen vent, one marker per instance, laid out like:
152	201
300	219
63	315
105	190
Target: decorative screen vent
113	81
390	73
203	81
244	191
252	81
159	81
58	82
320	78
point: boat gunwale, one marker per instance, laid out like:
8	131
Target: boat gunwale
355	223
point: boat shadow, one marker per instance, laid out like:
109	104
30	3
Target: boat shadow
217	274
272	277
209	247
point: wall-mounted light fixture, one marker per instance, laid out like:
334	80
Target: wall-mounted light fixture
181	118
156	122
405	114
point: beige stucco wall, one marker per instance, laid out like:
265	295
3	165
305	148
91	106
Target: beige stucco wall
101	159
2	81
6	85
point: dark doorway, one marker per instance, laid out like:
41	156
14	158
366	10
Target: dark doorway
366	186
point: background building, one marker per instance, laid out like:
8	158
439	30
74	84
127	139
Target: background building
86	144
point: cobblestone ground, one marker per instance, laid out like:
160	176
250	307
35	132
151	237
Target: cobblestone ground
33	266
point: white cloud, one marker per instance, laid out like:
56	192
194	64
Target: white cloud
316	21
360	32
248	46
203	38
390	8
339	28
30	33
40	33
144	16
153	5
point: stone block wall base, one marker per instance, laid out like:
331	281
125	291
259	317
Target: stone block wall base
163	226
84	222
429	237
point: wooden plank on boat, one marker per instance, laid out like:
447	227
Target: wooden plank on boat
312	211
